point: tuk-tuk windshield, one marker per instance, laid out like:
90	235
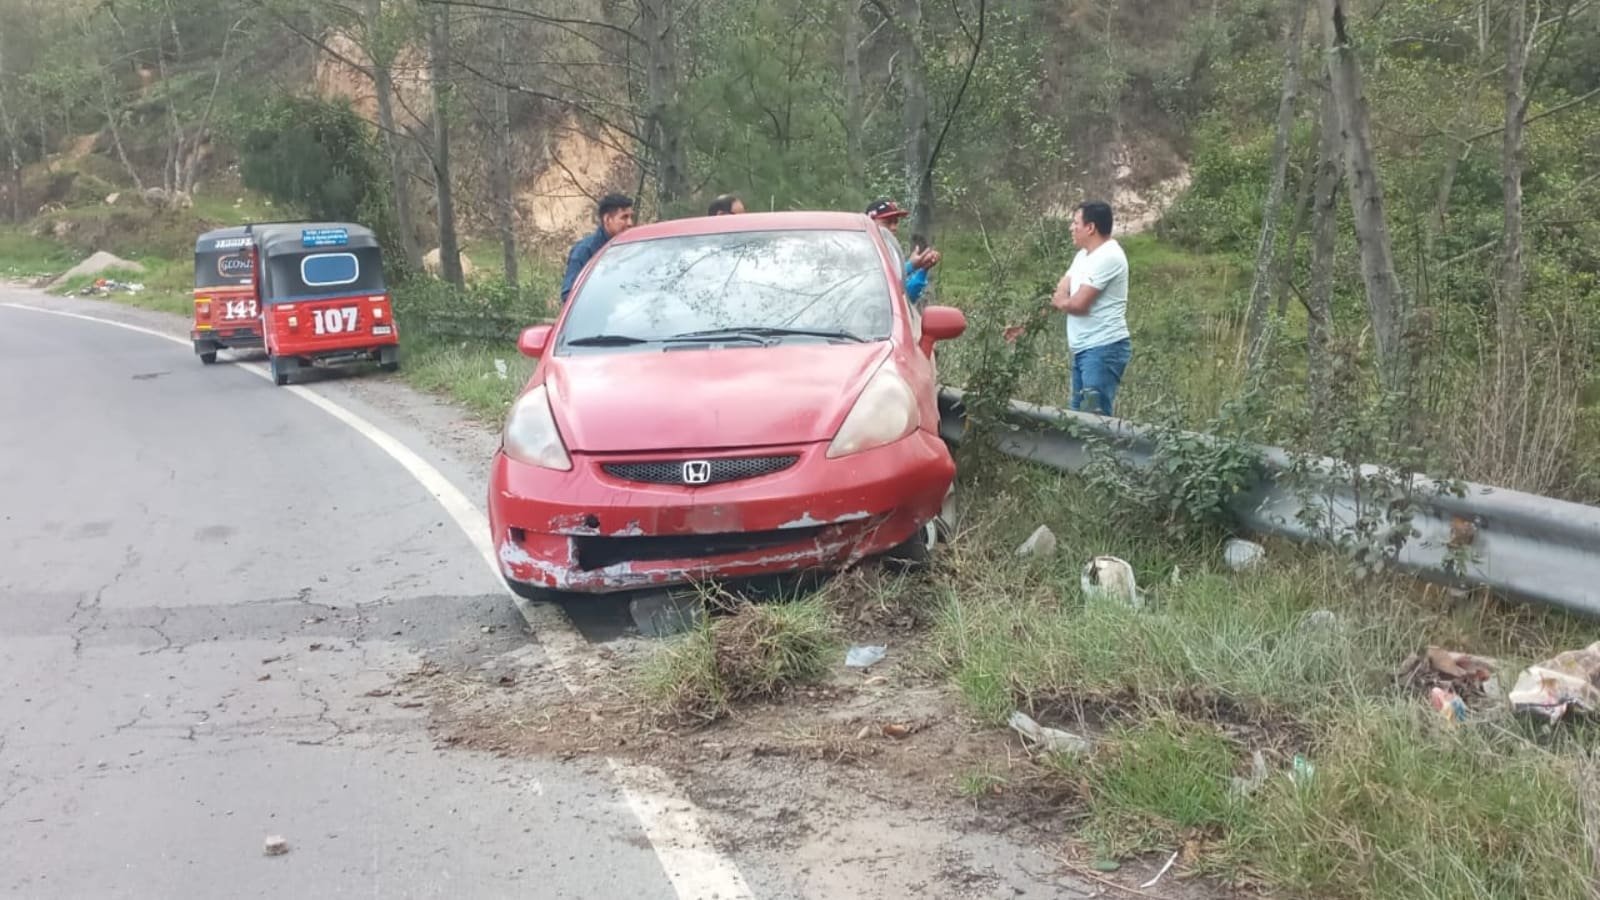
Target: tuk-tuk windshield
222	268
323	273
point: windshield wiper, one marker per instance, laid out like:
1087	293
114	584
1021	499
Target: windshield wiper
770	332
607	340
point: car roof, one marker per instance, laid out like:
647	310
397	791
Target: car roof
285	237
761	221
206	243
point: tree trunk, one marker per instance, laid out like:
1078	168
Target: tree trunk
918	133
189	154
1266	249
1508	309
9	131
661	90
1386	302
505	200
1297	226
439	65
853	115
110	110
1324	231
383	88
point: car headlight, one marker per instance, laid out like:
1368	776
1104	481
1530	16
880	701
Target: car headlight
884	413
531	436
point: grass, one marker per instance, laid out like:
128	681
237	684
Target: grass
758	650
24	255
1220	665
465	371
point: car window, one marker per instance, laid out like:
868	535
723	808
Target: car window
821	280
296	275
217	268
329	269
913	312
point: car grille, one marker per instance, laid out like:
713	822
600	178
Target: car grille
599	552
721	470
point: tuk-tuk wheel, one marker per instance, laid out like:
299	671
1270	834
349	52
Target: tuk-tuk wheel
280	372
208	357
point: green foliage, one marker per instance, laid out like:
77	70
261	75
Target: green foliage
1191	480
320	158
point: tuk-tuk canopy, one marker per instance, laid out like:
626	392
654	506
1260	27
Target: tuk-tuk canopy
222	258
308	260
304	237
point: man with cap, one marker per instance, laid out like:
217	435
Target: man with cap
726	205
888	214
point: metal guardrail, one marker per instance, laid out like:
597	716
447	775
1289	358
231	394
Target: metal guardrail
1521	545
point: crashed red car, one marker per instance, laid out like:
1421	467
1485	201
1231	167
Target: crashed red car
723	398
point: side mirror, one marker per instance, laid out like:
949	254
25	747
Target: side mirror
943	323
533	341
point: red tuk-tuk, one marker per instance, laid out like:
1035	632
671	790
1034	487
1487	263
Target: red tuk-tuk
226	313
323	298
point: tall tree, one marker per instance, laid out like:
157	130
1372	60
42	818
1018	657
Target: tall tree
1508	308
658	21
1386	301
854	116
504	198
381	50
439	68
1324	243
8	130
1266	248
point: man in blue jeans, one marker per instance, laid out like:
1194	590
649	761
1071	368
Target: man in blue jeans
1094	295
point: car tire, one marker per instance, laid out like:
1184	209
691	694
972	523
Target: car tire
917	552
209	357
389	359
280	372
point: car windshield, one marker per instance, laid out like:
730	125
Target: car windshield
760	286
321	273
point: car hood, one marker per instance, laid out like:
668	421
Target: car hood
707	399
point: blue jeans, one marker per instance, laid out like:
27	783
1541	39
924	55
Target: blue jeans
1096	373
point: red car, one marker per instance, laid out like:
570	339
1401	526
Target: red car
723	398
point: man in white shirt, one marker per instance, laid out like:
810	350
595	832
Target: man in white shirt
1094	295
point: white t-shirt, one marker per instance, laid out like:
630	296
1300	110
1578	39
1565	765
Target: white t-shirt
1107	321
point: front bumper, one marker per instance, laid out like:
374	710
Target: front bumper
585	531
227	337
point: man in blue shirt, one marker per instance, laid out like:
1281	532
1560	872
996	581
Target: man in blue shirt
616	216
888	214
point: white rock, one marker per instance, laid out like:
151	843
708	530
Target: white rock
1241	555
1110	578
1041	543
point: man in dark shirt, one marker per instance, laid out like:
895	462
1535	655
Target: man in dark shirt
726	205
616	216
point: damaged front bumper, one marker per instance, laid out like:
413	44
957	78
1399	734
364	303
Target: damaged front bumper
585	531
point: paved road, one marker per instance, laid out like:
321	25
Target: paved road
174	541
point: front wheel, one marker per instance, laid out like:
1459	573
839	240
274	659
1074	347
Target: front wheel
280	372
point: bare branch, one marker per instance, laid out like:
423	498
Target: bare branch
966	79
542	18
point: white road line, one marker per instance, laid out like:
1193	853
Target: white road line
670	820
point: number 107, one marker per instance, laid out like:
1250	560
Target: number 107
334	321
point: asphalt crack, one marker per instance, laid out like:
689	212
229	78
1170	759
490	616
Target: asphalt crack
323	717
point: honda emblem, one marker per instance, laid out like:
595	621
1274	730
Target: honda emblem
696	471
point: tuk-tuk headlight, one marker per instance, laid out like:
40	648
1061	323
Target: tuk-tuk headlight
531	435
